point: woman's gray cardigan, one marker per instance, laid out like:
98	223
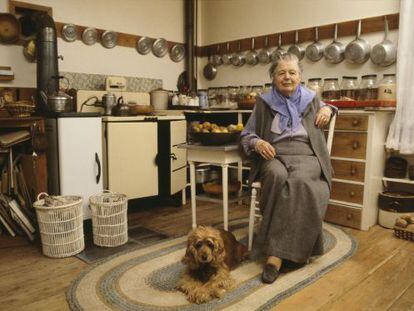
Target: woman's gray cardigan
264	118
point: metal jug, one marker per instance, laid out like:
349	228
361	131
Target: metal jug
108	102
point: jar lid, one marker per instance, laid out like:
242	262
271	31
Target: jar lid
369	76
232	86
315	79
257	86
349	77
268	84
331	79
389	75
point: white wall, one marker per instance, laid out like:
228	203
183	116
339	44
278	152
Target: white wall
153	18
229	20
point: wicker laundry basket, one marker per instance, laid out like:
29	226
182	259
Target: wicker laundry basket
109	218
60	221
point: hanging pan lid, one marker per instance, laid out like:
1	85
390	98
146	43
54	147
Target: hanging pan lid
109	39
69	32
160	47
144	45
89	36
177	53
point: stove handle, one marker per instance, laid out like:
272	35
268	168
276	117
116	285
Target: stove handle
98	177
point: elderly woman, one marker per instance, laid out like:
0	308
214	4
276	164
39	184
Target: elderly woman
283	137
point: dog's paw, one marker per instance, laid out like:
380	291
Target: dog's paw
199	295
218	292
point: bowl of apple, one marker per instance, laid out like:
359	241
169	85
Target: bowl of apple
211	134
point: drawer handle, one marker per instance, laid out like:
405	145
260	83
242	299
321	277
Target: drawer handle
173	156
352	194
355	145
349	216
353	170
355	122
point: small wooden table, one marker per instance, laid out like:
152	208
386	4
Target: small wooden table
216	155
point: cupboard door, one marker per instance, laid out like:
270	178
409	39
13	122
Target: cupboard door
132	148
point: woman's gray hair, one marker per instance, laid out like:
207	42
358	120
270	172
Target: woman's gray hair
287	57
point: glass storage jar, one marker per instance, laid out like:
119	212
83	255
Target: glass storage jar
232	93
387	87
331	90
349	88
368	88
316	85
267	87
257	89
212	96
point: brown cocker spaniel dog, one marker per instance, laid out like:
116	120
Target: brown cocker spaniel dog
210	255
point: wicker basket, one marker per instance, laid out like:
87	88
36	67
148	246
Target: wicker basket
60	221
109	219
403	234
20	109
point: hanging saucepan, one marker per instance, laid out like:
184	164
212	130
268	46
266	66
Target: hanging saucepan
109	39
384	53
177	53
144	45
209	71
279	50
227	57
358	50
296	48
314	51
334	52
265	54
238	59
252	56
216	59
160	47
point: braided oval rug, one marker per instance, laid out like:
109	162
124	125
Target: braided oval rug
145	278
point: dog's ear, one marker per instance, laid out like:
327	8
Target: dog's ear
189	257
219	250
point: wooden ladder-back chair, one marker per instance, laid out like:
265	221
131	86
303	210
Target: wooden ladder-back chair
254	200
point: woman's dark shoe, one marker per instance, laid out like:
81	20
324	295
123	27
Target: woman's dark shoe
270	273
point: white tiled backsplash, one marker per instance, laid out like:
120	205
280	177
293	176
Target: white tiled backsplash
140	98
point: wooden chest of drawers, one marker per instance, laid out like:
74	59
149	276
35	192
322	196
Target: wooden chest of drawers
358	158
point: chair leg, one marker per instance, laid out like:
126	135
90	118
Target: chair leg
251	218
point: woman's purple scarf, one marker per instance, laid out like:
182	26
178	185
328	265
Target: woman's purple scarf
290	108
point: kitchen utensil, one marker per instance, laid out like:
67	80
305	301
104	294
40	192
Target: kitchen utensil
227	57
121	109
252	56
335	52
202	174
265	54
296	48
384	53
69	32
144	45
89	36
29	50
358	50
314	51
159	99
209	70
108	102
177	53
238	59
9	28
279	50
58	101
160	47
109	39
216	59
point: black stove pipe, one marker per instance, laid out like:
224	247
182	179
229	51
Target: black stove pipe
47	58
189	34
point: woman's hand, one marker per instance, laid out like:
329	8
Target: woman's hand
323	116
265	149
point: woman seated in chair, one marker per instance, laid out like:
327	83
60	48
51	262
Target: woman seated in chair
283	137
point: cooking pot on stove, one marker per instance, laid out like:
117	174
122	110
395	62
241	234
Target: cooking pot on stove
159	99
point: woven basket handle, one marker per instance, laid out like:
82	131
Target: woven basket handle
39	196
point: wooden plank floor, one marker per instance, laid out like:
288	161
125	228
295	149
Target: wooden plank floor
380	276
